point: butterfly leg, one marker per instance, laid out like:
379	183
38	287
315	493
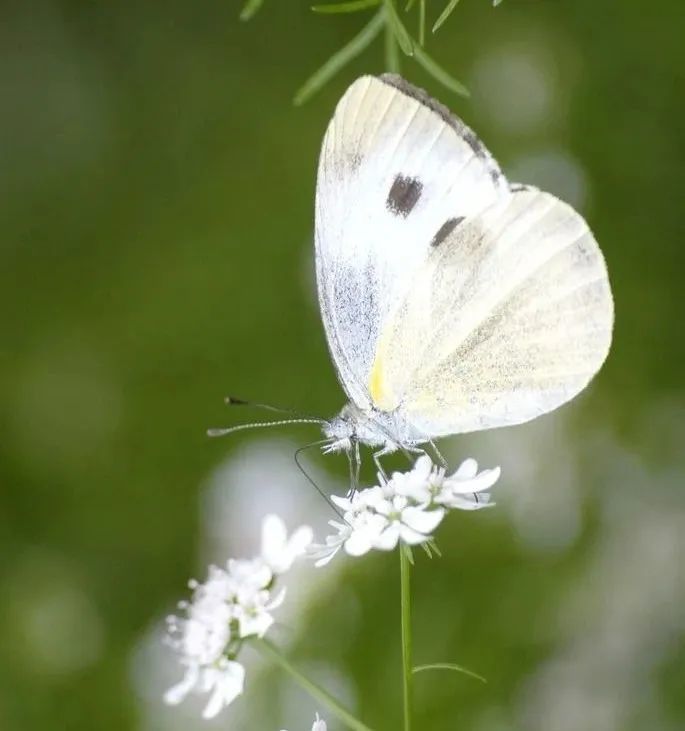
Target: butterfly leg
354	460
441	459
387	449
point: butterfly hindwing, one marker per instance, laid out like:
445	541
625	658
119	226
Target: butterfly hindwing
508	318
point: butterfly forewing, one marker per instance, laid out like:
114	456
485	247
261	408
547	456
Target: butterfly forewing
397	175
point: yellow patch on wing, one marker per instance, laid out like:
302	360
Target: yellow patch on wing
378	388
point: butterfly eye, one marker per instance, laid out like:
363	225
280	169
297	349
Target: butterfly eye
404	195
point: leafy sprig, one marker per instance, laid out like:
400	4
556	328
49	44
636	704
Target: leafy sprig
398	39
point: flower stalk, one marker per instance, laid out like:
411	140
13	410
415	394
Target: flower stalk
316	691
405	609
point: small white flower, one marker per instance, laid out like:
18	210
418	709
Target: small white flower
426	483
278	551
407	508
248	574
367	528
324	552
253	612
232	604
405	521
224	681
418	482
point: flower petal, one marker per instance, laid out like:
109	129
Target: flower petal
256	623
178	692
388	538
327	559
467	470
483	481
358	543
300	539
422	521
227	684
466	502
274	535
412	537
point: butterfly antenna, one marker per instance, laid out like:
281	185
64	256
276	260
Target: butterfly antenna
296	456
235	401
261	425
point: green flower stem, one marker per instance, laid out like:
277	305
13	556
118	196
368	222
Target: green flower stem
392	51
316	691
405	601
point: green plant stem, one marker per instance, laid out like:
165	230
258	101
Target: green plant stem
392	51
405	602
316	691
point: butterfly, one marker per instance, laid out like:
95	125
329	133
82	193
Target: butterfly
452	299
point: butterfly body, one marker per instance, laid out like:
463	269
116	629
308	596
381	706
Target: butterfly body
452	299
374	428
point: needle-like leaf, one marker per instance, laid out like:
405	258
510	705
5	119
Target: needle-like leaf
401	33
449	9
439	73
352	6
250	8
422	22
340	58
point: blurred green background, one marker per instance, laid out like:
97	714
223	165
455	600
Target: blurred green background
156	211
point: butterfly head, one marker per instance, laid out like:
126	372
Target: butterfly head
340	431
354	426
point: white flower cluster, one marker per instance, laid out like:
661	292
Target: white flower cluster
234	603
407	507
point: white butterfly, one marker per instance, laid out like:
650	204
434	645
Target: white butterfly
452	300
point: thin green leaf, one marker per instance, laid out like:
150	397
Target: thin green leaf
449	9
340	58
250	9
495	3
439	73
393	62
422	22
449	666
352	6
401	33
409	5
431	548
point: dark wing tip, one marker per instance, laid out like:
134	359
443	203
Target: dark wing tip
462	129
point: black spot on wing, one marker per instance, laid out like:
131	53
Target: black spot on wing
404	195
519	187
445	230
462	130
